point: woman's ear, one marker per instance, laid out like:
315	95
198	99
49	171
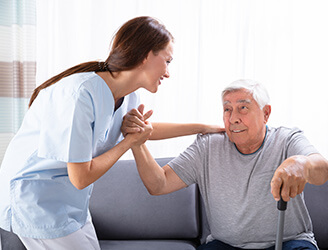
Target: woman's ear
266	112
144	62
147	57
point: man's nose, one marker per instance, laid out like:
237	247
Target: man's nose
234	117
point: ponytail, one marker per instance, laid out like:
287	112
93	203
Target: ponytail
83	67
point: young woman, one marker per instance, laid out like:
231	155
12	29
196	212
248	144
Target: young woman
71	135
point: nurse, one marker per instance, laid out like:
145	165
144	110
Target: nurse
71	136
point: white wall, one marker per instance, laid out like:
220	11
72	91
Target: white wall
281	43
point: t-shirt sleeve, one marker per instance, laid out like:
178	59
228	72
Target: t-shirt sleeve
66	132
189	163
298	144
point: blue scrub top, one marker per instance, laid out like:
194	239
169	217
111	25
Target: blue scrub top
71	121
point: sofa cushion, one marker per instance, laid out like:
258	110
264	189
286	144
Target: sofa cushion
122	208
147	245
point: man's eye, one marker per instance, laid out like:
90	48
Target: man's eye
243	109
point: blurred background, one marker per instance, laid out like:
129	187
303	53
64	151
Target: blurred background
280	43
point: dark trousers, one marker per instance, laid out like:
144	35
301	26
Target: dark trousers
288	245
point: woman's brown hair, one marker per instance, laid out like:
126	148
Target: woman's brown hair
130	46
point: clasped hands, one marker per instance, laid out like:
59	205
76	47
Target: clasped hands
136	126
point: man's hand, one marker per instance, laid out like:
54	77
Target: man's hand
290	177
134	120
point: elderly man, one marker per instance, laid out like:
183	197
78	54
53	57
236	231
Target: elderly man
240	174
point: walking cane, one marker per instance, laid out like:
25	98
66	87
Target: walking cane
282	206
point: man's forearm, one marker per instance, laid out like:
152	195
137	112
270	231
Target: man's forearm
151	174
317	171
291	176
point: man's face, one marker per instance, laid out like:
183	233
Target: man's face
244	120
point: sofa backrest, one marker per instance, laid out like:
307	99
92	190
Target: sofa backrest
121	207
316	199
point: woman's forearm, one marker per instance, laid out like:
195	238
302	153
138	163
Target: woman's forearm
171	130
83	174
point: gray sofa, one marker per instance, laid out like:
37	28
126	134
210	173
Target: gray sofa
126	217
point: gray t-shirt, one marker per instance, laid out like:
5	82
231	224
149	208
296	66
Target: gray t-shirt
236	190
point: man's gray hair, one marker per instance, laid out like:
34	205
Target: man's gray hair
256	89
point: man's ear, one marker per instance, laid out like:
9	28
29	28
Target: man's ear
266	112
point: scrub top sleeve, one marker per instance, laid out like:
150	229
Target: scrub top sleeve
67	129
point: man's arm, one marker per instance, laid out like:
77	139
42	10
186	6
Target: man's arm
292	175
157	180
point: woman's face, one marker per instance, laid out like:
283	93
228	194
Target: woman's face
155	67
